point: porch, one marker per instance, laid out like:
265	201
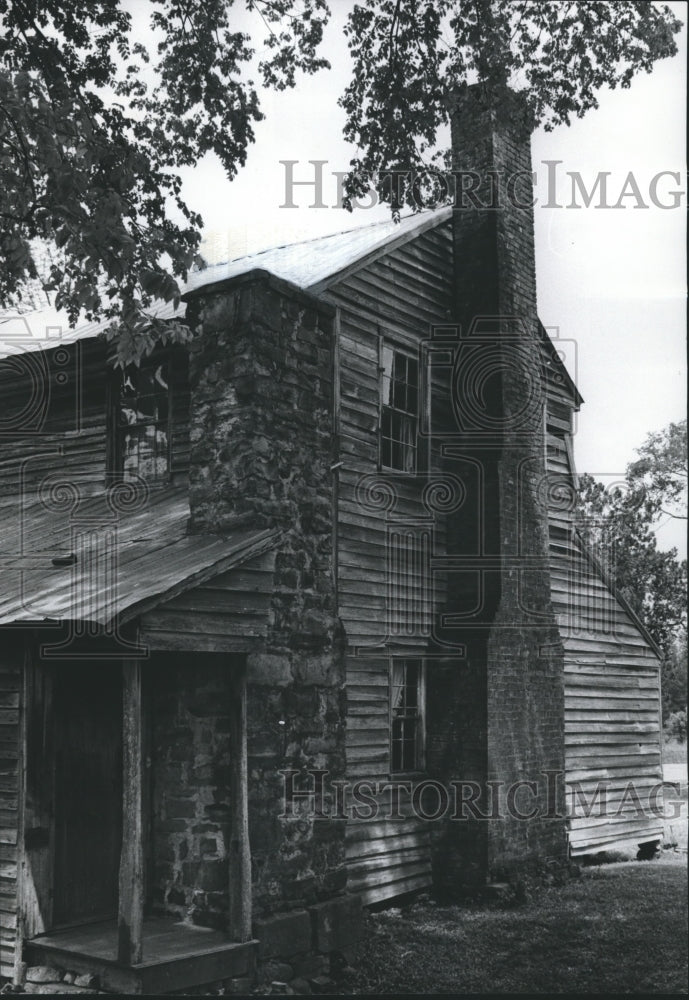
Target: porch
136	850
176	956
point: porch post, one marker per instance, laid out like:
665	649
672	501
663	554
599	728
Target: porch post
240	853
131	905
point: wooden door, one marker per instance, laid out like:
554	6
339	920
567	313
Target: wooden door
88	791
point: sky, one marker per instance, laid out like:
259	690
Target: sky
611	282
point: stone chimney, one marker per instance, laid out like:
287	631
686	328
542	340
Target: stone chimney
511	686
261	377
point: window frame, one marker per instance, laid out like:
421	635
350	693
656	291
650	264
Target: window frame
115	437
420	739
408	352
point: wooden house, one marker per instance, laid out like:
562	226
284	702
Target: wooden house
302	549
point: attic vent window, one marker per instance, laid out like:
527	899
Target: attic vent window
143	421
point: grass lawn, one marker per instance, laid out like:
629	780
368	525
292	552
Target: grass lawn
675	770
618	928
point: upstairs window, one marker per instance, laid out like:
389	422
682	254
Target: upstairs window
142	421
407	715
400	410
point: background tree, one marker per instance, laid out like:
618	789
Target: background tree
411	57
620	522
658	478
94	124
675	681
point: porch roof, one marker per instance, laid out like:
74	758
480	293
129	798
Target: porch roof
108	556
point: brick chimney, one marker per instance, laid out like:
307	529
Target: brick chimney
511	683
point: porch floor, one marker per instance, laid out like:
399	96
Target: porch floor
175	955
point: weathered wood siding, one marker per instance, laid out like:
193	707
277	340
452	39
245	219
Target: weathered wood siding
53	420
10	792
612	683
226	614
54	417
612	708
398	297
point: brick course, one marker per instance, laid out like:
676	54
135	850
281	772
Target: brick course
508	690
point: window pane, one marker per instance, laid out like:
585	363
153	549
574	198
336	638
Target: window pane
386	453
408	755
405	680
400	410
412	399
399	394
143	418
396	761
400	367
386	422
145	452
397	461
397	692
387	360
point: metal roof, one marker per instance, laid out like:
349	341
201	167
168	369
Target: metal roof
115	564
318	261
308	264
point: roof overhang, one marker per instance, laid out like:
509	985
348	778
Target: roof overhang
82	565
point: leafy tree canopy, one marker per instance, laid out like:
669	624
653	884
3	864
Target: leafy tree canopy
658	478
94	123
411	56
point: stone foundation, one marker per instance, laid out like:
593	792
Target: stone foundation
306	949
302	951
50	979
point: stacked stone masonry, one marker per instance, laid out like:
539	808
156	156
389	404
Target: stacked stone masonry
261	433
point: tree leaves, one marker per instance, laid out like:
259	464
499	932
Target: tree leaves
411	56
619	522
94	126
659	476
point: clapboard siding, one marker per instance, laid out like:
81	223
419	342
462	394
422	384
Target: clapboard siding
54	419
78	458
10	791
612	734
228	613
398	297
612	690
386	855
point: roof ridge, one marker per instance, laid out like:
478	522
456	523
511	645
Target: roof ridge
318	239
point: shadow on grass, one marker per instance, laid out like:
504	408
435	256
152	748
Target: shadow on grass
618	928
